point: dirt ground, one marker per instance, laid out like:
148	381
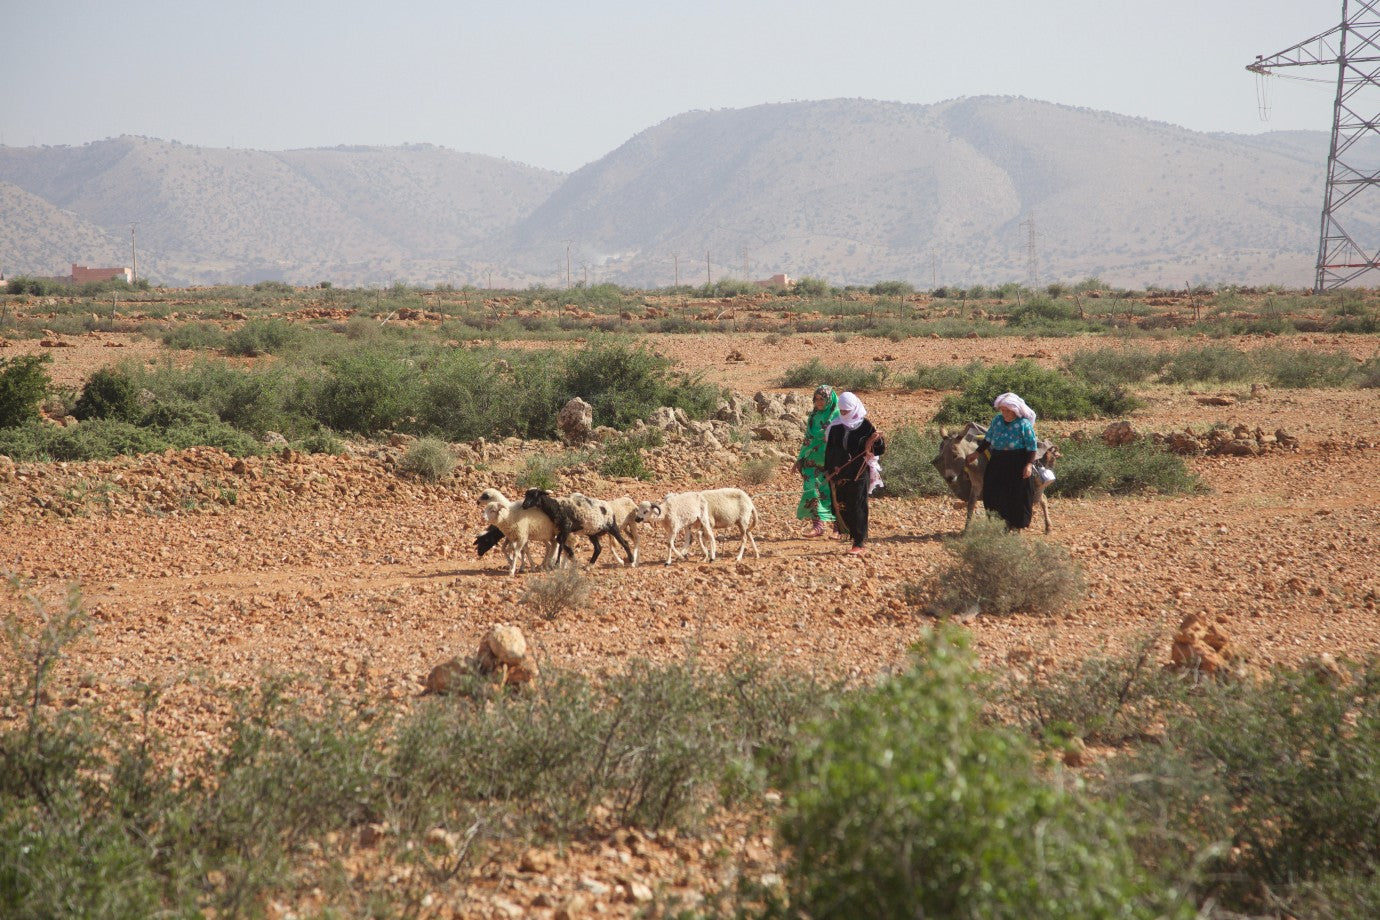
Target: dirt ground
341	569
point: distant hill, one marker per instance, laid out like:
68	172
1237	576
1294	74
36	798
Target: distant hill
852	191
857	191
356	215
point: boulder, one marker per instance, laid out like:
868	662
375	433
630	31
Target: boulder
576	421
504	651
1200	646
1119	434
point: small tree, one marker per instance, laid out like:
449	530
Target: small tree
23	383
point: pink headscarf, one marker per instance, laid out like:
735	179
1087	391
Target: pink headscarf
1014	403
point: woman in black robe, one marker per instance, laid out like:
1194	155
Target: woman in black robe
851	448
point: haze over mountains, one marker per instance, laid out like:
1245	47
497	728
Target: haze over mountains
851	191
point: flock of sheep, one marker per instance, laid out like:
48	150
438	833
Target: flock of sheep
542	518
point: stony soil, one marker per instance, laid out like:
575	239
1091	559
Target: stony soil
201	575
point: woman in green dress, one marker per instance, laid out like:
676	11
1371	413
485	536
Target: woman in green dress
815	504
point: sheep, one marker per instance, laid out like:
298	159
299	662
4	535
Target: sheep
732	508
492	536
677	511
578	513
520	526
625	513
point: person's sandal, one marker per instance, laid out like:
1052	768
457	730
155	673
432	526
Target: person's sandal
857	551
817	530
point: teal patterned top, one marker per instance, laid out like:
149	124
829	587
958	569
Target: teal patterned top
1017	435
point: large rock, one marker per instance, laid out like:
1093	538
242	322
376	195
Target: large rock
1200	646
504	652
576	421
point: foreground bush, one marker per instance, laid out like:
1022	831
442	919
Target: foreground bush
908	805
1275	786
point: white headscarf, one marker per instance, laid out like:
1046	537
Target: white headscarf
1015	404
851	415
851	411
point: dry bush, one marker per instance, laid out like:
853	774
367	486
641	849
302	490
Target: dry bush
999	571
549	595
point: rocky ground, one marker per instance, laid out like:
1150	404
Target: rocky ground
202	573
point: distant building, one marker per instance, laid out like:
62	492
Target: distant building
81	274
775	281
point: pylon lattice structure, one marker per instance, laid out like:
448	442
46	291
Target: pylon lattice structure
1351	201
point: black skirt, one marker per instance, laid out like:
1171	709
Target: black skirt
1005	491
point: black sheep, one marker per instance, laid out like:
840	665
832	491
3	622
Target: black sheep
567	520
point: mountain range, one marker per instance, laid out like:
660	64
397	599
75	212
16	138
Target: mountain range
976	190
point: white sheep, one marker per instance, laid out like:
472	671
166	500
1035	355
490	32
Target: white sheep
675	512
731	508
521	527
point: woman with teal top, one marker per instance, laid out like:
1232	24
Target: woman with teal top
1010	442
815	504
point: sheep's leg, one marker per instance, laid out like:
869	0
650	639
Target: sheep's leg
598	547
708	527
618	535
519	551
671	547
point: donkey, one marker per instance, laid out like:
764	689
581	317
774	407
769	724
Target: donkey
965	480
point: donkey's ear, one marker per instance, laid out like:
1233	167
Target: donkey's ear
943	432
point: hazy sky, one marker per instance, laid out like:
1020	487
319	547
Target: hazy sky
559	85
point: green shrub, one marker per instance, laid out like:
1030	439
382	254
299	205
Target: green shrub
1275	785
907	466
366	392
192	336
623	458
892	288
1051	394
1110	367
428	458
625	385
263	337
999	571
23	382
1207	364
102	439
537	473
907	804
1090	466
109	393
1297	368
942	376
842	377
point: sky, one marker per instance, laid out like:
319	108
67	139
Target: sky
559	85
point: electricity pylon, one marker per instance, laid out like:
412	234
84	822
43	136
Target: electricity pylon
1353	189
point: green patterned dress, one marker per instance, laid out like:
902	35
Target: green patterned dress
815	503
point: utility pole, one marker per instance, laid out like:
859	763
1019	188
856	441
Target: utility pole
133	258
567	262
708	275
676	256
1353	184
1032	265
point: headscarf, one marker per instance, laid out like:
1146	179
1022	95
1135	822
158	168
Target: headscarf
851	415
1015	404
851	411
